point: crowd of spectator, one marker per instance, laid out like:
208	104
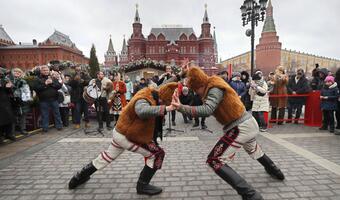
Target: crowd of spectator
287	93
60	93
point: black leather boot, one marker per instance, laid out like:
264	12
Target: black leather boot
238	183
143	186
82	176
270	167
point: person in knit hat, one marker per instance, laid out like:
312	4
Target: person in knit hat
240	129
134	132
329	97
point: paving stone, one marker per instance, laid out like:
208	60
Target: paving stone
44	174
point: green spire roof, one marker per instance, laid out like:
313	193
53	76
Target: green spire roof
269	25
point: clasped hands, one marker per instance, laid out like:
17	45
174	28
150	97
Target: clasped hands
175	102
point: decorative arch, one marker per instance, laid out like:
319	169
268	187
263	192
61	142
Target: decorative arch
183	37
192	37
161	37
151	37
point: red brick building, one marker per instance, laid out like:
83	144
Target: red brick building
268	51
26	56
171	44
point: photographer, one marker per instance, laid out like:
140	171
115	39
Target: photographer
46	87
259	95
162	78
279	88
6	113
78	82
21	98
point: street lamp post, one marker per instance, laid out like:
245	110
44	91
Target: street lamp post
253	12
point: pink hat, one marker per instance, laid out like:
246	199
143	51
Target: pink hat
329	79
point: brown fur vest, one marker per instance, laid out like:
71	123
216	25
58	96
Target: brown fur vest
137	130
231	107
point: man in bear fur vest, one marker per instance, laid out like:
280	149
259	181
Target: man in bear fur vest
240	129
134	132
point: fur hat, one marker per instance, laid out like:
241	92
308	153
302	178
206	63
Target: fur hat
166	91
196	78
329	79
280	69
236	74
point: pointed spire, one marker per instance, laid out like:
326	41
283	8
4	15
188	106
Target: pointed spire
205	18
110	48
124	48
269	9
269	25
137	19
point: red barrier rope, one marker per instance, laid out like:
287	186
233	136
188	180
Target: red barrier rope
288	95
313	114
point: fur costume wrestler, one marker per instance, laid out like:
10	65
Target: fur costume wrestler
134	132
240	129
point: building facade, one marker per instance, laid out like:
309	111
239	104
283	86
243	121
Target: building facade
28	55
171	44
269	54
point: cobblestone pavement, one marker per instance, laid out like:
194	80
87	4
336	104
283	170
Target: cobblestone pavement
309	158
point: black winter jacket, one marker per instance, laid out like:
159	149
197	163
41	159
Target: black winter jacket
46	92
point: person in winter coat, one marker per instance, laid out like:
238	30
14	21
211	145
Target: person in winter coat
238	85
337	113
317	82
78	82
129	88
259	95
246	98
117	97
64	109
20	101
329	97
279	88
6	114
46	87
186	97
297	84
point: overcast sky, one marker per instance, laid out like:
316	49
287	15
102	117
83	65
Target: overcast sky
310	26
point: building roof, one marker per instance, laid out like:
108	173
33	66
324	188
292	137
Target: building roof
4	35
269	25
110	49
172	34
61	39
20	46
124	47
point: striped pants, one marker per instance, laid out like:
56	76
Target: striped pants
153	154
239	136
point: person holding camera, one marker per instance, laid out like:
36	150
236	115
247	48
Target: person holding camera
280	81
105	87
163	78
78	82
46	87
6	114
21	98
259	96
